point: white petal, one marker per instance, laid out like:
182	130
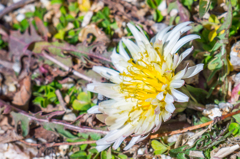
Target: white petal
185	29
117	61
102	147
139	37
184	55
158	122
179	96
94	110
183	41
170	108
177	83
180	74
142	138
177	29
160	34
120	132
172	42
175	60
166	115
160	96
153	39
132	142
105	72
123	52
118	142
193	70
106	89
133	48
157	110
169	99
164	86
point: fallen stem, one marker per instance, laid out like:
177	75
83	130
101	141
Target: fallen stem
83	52
54	121
192	127
57	144
66	67
15	6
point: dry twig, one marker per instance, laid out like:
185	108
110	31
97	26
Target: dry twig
15	6
66	67
57	144
54	121
192	127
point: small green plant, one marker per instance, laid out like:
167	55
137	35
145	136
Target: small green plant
46	95
104	21
157	16
3	44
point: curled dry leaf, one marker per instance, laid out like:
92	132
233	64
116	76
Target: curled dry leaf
234	94
93	29
223	152
41	28
23	95
196	154
19	150
8	134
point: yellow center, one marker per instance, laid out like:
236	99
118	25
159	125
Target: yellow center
144	82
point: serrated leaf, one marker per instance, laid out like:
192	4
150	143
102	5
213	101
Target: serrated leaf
17	117
203	7
228	20
236	117
59	128
175	152
181	156
95	136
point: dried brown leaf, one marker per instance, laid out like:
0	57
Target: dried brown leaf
93	29
41	28
23	95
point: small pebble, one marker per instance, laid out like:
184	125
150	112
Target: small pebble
20	17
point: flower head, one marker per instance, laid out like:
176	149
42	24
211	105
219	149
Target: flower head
143	88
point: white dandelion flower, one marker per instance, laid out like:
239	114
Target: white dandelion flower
144	86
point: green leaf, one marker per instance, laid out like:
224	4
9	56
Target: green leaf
203	7
157	16
237	116
106	11
60	35
205	119
175	152
151	3
105	155
83	101
158	147
59	128
158	2
181	156
187	3
17	117
228	20
80	154
235	127
95	136
122	156
215	63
